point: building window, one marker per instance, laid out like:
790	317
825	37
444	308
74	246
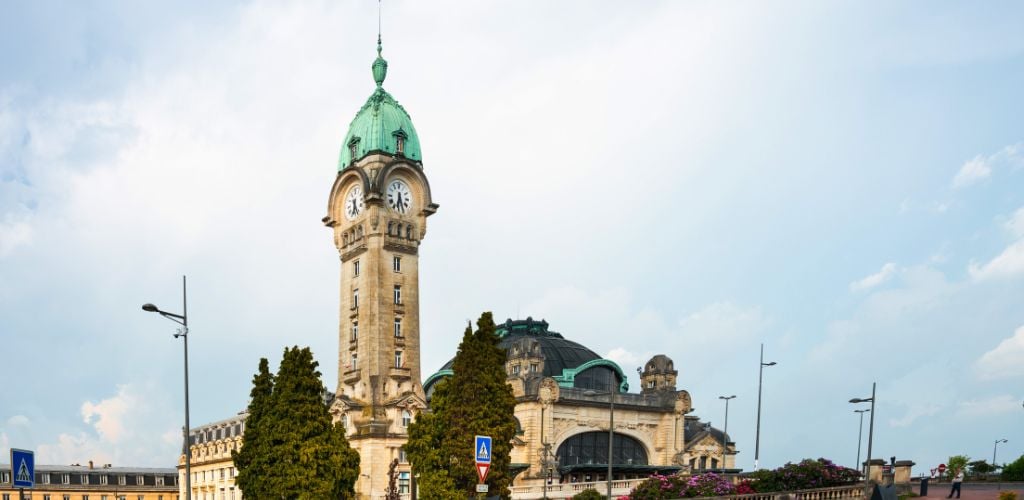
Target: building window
103	497
533	367
344	422
400	145
65	479
355	268
398	327
408	232
355	331
120	480
398	294
85	479
43	478
403	483
650	384
46	497
7	496
403	457
355	298
5	477
515	370
396	264
103	479
355	361
398	359
406	420
67	497
159	480
222	474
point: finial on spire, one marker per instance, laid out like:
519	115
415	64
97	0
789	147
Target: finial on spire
380	66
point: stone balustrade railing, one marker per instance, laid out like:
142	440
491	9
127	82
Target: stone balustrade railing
623	487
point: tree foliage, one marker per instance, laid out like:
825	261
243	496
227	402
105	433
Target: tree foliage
981	468
476	400
956	463
290	448
1014	471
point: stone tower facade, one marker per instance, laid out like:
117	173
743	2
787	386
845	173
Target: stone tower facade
378	209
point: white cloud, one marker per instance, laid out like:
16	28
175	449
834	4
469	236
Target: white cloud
974	170
18	420
108	415
993	406
1008	263
14	232
980	167
126	428
724	323
1005	361
915	412
626	358
868	282
1015	225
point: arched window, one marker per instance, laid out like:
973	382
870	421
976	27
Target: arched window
390	226
597	378
408	232
359	232
406	418
592	448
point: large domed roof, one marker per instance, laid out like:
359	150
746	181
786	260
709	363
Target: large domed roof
381	125
559	353
569	363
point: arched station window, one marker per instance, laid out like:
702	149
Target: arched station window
592	448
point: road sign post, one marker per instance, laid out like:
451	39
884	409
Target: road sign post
482	452
23	468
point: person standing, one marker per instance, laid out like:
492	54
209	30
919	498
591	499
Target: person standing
957	479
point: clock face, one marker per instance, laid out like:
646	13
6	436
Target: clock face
354	203
399	196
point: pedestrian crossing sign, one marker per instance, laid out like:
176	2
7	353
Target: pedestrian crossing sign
482	445
23	468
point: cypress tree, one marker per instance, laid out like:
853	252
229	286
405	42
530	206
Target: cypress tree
252	460
476	400
299	453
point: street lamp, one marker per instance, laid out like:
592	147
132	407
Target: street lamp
860	435
760	376
999	486
611	422
871	431
181	319
725	432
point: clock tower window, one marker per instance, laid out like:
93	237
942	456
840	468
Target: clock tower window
396	264
355	331
398	294
398	359
355	268
355	298
398	327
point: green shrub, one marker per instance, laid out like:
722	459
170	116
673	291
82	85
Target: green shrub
588	494
1014	471
1007	495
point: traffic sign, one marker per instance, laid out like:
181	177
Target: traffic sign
942	468
23	468
481	488
481	471
482	445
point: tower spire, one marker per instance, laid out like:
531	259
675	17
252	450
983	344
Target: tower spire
380	66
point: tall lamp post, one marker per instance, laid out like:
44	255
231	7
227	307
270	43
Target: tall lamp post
181	319
999	486
760	377
611	422
860	435
871	432
725	432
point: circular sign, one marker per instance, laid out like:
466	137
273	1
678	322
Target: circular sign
942	468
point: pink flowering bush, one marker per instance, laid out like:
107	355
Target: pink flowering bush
659	487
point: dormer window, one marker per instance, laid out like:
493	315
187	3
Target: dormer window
353	147
400	137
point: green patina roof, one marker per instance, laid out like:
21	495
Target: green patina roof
379	123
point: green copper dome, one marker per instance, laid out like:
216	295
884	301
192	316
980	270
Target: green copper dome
380	125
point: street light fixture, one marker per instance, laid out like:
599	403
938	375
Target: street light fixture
999	486
860	435
725	432
760	376
611	422
871	432
181	319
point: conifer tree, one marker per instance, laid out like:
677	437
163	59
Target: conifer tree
476	400
252	460
297	453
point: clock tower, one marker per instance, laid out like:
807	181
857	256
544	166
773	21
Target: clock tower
378	209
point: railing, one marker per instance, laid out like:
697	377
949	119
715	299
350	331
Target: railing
623	487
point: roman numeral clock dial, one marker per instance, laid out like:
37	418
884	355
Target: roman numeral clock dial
354	203
399	197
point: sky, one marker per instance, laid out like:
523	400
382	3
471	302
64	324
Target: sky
841	182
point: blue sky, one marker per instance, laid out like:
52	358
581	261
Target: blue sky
842	182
